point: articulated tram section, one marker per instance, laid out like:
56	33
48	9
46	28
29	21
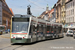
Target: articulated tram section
28	29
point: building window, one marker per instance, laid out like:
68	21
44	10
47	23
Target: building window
73	11
69	20
73	4
73	19
7	16
69	12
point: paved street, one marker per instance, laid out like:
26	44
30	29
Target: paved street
66	43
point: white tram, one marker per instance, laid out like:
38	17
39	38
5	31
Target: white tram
26	29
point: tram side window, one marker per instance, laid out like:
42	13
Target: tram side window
55	30
60	29
48	28
44	29
40	28
37	28
51	28
34	29
31	30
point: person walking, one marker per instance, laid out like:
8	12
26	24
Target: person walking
8	30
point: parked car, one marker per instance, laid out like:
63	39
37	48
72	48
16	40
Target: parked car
69	33
0	32
74	35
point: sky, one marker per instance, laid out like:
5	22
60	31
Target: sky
37	6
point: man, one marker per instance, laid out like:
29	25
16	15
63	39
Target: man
8	30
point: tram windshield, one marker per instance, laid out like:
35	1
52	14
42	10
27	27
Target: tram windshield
20	27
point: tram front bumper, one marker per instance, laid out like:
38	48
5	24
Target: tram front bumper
13	40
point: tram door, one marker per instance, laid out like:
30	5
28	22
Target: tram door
33	31
39	32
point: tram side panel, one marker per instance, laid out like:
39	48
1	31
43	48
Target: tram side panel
37	31
44	31
48	32
56	31
61	31
52	31
41	30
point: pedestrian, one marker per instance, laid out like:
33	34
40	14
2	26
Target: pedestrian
8	30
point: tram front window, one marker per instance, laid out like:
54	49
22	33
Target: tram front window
20	27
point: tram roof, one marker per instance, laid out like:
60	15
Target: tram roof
21	16
39	20
55	23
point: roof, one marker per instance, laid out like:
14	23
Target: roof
51	10
46	12
11	11
5	7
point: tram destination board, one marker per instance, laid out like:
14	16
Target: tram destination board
20	19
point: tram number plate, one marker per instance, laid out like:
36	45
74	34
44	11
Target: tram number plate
18	38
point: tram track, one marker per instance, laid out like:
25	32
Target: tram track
5	36
16	47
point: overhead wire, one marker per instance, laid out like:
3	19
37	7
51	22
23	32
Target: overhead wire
35	4
30	2
46	1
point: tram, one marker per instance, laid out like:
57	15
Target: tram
28	29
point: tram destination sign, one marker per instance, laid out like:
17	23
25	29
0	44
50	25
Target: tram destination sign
20	19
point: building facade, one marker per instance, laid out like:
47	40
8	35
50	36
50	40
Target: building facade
52	17
63	11
58	11
0	12
6	15
70	12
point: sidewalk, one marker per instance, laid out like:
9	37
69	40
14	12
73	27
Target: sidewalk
7	35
